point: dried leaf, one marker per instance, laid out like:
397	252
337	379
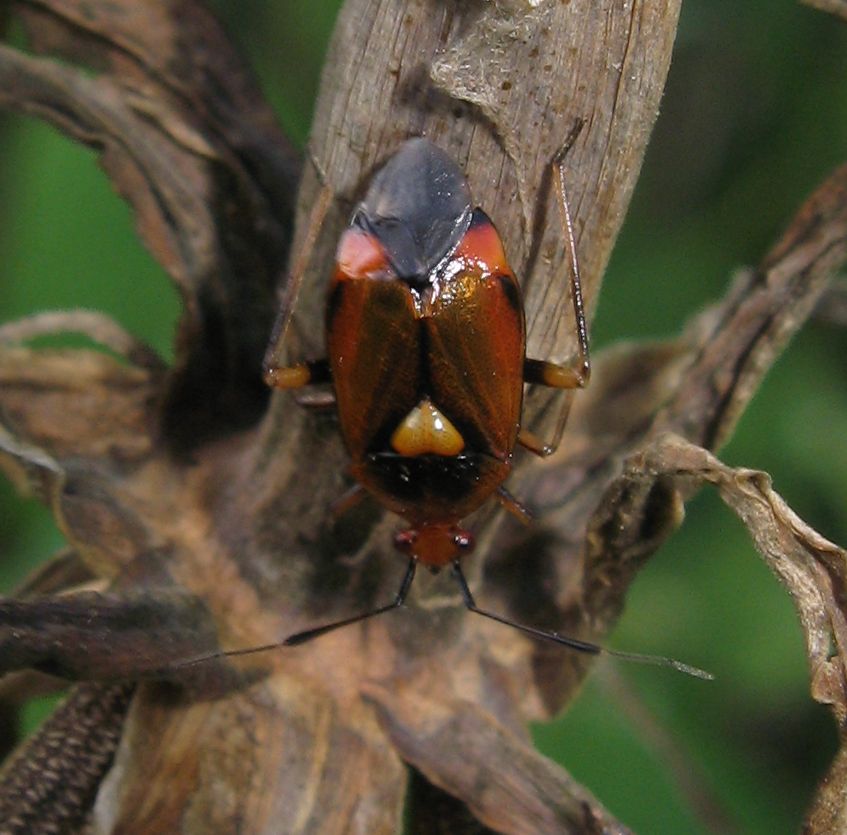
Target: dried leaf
98	637
740	339
238	520
504	781
212	192
276	757
52	780
812	569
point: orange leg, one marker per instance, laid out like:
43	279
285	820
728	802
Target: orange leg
297	376
514	507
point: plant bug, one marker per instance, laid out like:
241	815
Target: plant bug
426	353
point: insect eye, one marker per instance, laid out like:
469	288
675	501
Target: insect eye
464	541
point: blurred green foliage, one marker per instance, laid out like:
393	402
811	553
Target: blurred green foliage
755	116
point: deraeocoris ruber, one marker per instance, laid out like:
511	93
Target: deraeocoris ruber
426	353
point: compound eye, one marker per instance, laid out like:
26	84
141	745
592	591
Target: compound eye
464	541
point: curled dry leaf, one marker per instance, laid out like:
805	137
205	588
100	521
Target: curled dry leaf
191	499
812	569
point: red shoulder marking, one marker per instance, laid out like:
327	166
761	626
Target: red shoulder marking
360	255
482	247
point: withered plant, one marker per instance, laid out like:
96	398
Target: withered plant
194	504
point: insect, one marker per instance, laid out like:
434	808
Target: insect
426	353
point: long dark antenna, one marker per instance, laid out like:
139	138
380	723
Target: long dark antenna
573	643
307	635
468	599
400	598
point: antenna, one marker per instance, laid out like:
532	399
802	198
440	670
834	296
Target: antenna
576	644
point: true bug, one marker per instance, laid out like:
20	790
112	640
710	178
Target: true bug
426	353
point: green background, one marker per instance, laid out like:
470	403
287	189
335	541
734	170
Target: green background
755	116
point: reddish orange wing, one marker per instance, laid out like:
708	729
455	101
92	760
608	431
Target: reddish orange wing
373	348
476	342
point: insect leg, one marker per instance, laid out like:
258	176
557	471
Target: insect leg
555	375
514	507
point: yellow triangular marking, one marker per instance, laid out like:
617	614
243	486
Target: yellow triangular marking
426	431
